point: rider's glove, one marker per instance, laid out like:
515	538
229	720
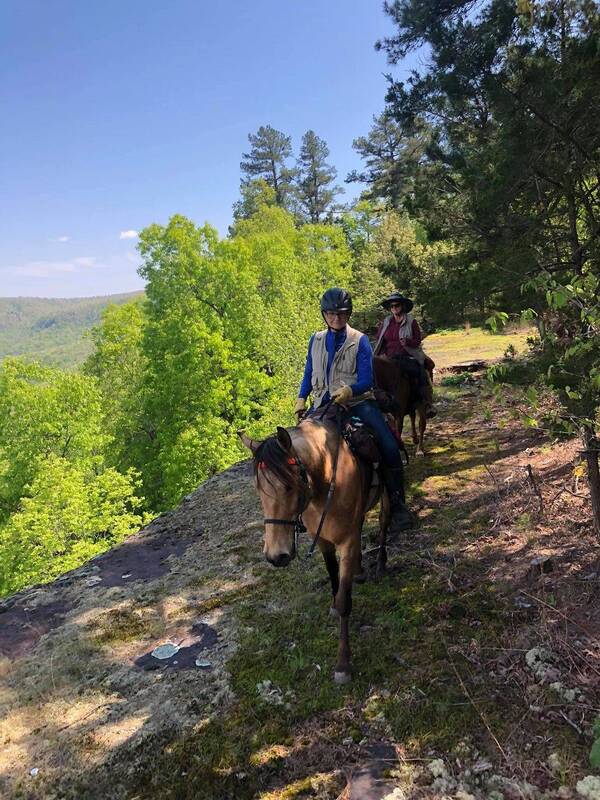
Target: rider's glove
342	395
300	407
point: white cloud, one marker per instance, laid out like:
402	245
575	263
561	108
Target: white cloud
45	269
128	235
63	239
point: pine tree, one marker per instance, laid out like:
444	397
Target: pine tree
315	178
267	160
391	157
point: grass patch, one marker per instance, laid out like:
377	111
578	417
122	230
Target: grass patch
451	347
127	624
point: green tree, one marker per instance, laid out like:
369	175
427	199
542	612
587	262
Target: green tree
267	160
44	412
119	365
254	195
391	159
69	514
315	177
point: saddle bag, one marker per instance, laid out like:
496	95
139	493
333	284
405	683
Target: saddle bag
361	441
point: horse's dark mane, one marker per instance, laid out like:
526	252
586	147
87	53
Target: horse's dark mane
276	461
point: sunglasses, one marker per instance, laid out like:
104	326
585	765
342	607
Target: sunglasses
396	305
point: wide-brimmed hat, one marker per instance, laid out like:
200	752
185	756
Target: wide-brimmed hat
396	297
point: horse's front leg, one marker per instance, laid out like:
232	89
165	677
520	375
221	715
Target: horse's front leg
333	570
343	604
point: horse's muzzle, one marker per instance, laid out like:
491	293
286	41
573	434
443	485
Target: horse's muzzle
282	559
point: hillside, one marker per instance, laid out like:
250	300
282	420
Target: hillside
476	660
50	330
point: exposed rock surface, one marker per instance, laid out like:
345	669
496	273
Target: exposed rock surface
79	688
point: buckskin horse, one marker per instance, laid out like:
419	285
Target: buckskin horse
390	378
308	476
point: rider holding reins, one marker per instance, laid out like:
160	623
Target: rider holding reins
339	368
399	337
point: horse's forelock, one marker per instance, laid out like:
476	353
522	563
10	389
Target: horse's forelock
271	457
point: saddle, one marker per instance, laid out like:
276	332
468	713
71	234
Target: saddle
359	436
361	440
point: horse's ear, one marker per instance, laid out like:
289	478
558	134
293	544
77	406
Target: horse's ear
251	444
284	439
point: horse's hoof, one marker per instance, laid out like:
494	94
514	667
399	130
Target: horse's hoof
420	453
333	612
342	678
380	573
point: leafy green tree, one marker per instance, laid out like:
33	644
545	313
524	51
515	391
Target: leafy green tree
118	364
60	501
255	194
69	514
44	412
315	177
267	160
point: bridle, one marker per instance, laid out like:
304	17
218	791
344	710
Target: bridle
304	500
306	496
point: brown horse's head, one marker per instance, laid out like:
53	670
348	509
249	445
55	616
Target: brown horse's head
283	492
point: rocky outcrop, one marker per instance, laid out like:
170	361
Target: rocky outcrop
86	682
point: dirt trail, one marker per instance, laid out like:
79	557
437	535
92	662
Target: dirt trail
476	670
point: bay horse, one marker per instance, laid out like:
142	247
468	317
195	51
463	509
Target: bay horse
294	470
390	378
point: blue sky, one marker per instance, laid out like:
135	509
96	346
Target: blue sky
120	114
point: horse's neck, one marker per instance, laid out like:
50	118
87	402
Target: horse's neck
312	443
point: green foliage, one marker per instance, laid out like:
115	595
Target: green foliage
456	380
497	321
44	412
60	503
315	178
267	160
69	514
254	195
118	364
595	751
509	100
391	251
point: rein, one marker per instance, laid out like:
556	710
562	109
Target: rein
338	425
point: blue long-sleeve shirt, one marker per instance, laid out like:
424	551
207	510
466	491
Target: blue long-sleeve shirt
364	364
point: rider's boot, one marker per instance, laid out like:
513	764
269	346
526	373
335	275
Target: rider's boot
401	518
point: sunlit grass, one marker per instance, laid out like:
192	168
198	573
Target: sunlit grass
455	346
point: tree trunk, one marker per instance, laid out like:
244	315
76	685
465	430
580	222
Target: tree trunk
591	449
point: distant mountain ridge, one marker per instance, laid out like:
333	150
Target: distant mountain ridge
52	330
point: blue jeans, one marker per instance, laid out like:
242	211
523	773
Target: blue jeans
369	413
